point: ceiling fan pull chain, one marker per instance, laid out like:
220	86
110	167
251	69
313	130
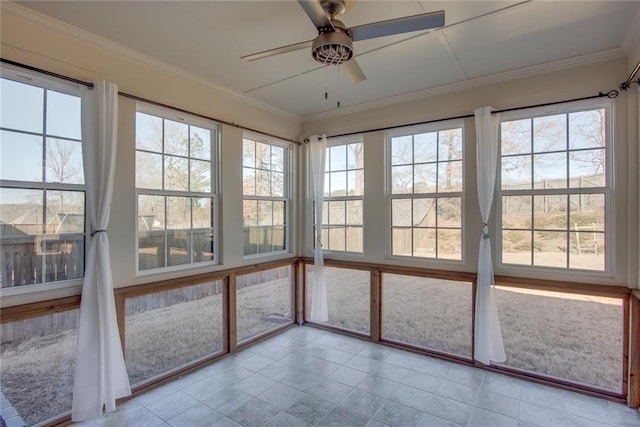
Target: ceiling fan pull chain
326	94
338	90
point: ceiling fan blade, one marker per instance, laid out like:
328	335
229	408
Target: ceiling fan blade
353	70
398	26
316	13
277	51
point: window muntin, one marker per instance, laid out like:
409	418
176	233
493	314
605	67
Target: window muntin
265	171
42	192
342	226
176	199
555	189
426	187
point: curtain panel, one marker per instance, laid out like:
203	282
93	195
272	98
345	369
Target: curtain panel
317	152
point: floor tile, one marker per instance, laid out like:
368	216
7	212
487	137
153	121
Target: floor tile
378	386
311	409
362	402
542	416
423	382
429	420
363	364
255	385
330	390
457	391
501	384
279	371
172	405
498	403
256	362
412	397
543	396
434	367
397	414
348	376
483	418
225	422
449	409
228	400
341	417
471	377
254	413
139	418
391	372
576	421
281	396
200	415
286	420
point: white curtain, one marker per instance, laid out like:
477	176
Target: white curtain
100	373
317	151
488	336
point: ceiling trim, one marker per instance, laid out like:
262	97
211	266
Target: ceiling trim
562	64
11	9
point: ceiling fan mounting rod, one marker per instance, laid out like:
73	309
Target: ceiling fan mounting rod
333	8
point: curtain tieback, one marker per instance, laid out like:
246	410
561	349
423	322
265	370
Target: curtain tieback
485	230
94	232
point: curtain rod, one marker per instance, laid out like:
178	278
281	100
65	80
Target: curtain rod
138	98
611	94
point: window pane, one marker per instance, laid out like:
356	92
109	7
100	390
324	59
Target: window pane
338	157
424	242
354	239
65	212
151	235
279	238
176	173
179	247
265	214
148	170
569	336
348	295
178	213
515	137
63	115
200	176
450	244
248	153
354	212
337	238
450	145
248	182
63	252
22	106
516	173
401	179
588	210
176	138
516	247
277	158
355	184
516	211
263	156
429	313
200	143
550	133
38	362
166	330
337	214
263	183
355	156
401	212
425	178
550	249
20	156
338	184
401	150
450	212
264	302
587	129
250	212
550	170
425	147
203	242
279	213
589	250
450	176
424	212
550	212
401	242
64	161
148	133
587	168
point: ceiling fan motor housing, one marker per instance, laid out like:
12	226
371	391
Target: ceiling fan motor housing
333	47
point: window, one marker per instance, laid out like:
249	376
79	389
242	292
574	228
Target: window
265	171
426	174
42	192
555	190
343	198
175	158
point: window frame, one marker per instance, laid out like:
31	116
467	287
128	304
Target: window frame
608	192
462	194
286	197
47	83
334	142
165	113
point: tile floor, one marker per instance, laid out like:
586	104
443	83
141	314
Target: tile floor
307	376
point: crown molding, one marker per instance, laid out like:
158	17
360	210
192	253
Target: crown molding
562	64
14	10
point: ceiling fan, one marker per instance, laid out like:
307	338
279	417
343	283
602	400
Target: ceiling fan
334	43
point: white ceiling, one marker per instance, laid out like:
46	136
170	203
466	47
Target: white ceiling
480	38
